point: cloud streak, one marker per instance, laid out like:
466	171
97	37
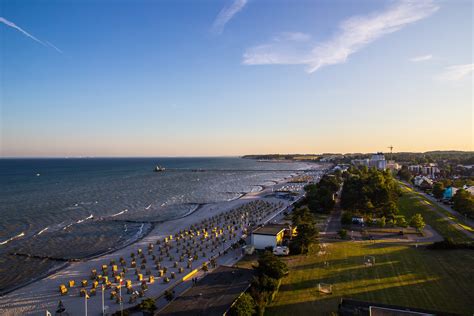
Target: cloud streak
16	27
456	72
354	34
421	58
226	14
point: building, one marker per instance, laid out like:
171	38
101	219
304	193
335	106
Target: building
360	162
270	235
469	189
430	170
351	307
423	182
213	295
378	161
392	165
449	192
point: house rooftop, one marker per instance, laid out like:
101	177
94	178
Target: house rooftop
270	229
213	295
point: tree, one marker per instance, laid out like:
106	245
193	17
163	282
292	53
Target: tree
244	306
438	189
342	233
147	305
401	221
405	174
417	222
464	202
169	295
307	234
305	224
271	265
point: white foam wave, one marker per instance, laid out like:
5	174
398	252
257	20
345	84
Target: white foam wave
42	231
12	238
85	219
120	213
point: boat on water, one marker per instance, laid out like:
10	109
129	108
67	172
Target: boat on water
159	168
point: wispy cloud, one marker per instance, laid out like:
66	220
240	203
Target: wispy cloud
456	72
226	14
16	27
354	34
421	58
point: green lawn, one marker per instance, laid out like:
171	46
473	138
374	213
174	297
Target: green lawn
402	275
411	202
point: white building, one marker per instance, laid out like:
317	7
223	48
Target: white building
378	161
268	236
422	181
429	170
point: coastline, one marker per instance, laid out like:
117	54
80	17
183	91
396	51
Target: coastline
48	282
150	225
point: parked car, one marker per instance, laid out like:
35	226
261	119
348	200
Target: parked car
281	251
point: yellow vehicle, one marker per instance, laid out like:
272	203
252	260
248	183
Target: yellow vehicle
71	283
84	283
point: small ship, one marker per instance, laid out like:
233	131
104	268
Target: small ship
159	168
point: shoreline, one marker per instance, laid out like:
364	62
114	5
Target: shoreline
146	232
23	298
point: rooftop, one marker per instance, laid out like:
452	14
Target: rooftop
213	295
270	229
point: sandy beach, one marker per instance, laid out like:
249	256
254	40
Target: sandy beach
42	295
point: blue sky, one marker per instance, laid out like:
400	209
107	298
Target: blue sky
188	78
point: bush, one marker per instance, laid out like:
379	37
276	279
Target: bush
147	305
449	244
244	306
342	233
271	265
346	218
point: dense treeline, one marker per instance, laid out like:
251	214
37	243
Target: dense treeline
320	197
370	192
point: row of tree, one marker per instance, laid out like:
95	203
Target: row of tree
370	192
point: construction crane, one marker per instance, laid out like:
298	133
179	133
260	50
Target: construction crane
391	152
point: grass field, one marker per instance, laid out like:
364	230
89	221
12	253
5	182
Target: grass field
402	275
411	202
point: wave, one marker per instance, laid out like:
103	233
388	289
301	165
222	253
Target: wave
85	219
12	238
42	231
119	213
